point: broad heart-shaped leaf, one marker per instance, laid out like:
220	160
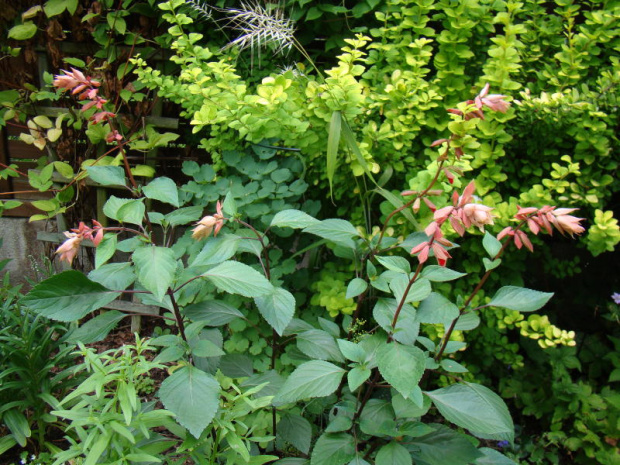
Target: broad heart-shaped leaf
316	378
441	447
520	299
213	312
295	219
277	307
475	408
437	309
401	366
97	329
184	215
335	230
238	278
107	175
295	430
492	457
193	396
356	287
124	210
394	454
68	296
491	244
407	327
319	344
440	274
333	449
155	267
163	189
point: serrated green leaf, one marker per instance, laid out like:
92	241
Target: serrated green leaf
184	216
295	219
335	230
394	454
155	268
316	378
520	299
116	276
407	327
351	350
420	289
96	329
212	312
163	189
492	457
333	449
453	367
401	366
295	430
476	408
238	278
441	447
68	296
124	210
437	309
357	376
318	344
193	396
491	265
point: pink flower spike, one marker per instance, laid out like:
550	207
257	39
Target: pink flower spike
457	226
429	204
442	214
567	224
416	205
69	249
441	254
439	142
468	192
77	74
526	240
533	225
98	237
507	231
496	103
485	90
407	193
422	250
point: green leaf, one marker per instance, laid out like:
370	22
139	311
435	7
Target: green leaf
420	289
236	366
356	287
333	141
394	454
238	278
96	329
295	430
23	31
476	408
68	296
316	378
193	396
401	366
441	447
520	299
491	244
453	367
124	210
105	249
163	189
155	268
55	7
295	219
398	264
333	449
318	344
407	408
6	442
397	202
351	350
492	457
336	230
18	425
357	376
117	276
217	250
213	312
378	419
407	327
437	309
491	265
184	216
466	322
107	175
205	348
440	274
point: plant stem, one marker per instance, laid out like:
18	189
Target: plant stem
177	315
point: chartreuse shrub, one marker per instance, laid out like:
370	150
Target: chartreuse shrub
360	388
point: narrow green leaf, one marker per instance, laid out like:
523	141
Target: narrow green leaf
238	278
316	378
401	366
277	307
107	175
491	244
68	296
101	444
96	329
295	219
155	268
18	425
333	449
520	299
105	249
163	189
453	367
397	203
349	139
476	408
333	141
193	396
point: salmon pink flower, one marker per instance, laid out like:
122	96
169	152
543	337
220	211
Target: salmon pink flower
209	224
565	223
69	249
477	215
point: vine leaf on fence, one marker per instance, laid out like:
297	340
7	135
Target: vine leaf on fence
193	396
476	408
68	296
107	175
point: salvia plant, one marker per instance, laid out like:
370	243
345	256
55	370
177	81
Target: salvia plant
360	388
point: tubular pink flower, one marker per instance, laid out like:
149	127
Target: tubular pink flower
210	223
477	215
567	224
422	250
69	249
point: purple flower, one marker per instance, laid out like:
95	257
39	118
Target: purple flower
502	444
616	297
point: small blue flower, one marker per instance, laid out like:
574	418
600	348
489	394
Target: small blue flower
502	444
616	297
